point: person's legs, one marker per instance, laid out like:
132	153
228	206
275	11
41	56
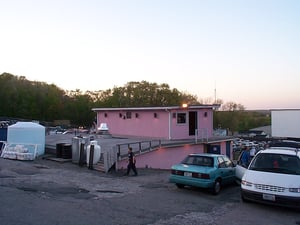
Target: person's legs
134	169
128	169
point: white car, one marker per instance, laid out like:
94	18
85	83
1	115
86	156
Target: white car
273	177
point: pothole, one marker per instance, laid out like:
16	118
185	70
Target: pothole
109	191
25	171
27	189
66	190
39	166
152	185
7	176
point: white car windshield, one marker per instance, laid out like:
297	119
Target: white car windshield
276	163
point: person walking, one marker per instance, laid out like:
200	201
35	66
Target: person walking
131	162
245	158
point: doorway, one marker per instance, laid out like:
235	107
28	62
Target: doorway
193	122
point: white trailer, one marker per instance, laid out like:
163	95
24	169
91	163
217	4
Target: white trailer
285	123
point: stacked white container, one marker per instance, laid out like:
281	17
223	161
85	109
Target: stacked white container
97	152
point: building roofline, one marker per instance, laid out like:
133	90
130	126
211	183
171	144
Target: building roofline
292	109
158	108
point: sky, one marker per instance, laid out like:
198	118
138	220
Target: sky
242	51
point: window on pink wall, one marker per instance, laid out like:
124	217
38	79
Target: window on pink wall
181	118
128	115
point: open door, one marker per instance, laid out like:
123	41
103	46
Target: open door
193	122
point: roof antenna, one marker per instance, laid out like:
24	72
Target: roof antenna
215	93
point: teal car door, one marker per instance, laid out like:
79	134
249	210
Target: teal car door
226	169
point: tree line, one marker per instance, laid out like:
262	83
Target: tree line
34	100
236	121
21	98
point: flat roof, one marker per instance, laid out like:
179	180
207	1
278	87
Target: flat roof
158	108
285	109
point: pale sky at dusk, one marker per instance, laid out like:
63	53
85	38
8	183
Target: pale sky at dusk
248	49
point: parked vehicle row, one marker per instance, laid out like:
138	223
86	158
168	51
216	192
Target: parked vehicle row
271	177
239	144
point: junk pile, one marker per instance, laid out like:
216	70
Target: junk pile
19	151
25	141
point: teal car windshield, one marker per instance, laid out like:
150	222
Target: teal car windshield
199	161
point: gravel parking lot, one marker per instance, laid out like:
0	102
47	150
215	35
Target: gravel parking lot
45	192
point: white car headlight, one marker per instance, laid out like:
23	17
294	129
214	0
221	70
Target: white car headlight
246	183
295	190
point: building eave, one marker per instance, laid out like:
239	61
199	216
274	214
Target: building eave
167	108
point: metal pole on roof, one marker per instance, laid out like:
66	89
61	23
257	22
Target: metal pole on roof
169	125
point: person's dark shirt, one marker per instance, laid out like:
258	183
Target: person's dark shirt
130	157
245	158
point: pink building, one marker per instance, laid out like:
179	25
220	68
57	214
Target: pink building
170	123
184	129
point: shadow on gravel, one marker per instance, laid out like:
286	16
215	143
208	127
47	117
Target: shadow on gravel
74	192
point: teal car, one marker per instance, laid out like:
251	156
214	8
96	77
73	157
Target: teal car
204	171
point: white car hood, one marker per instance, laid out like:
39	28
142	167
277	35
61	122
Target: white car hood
274	179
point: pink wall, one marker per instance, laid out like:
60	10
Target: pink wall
181	131
223	148
146	125
206	122
164	158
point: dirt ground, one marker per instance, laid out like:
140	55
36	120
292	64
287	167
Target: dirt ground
44	192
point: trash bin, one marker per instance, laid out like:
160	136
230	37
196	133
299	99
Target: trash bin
59	149
67	151
3	136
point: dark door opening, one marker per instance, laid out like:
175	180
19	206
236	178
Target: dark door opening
214	149
228	149
193	122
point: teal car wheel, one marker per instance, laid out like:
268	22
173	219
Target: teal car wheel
217	187
180	186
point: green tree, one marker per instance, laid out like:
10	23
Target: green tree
79	108
145	94
21	98
237	121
